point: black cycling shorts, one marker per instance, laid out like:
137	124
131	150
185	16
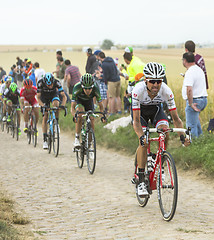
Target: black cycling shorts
48	98
155	114
87	104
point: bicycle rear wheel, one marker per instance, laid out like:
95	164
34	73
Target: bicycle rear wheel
142	201
168	192
17	126
2	126
13	125
91	151
29	130
34	131
55	137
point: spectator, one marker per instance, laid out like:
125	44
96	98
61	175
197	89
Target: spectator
110	74
135	66
194	92
39	72
91	64
72	75
61	73
129	50
101	82
29	66
58	54
3	72
19	70
13	74
190	47
19	62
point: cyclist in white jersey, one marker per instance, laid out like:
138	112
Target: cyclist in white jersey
147	97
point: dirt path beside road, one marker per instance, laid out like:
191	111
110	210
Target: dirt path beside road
65	202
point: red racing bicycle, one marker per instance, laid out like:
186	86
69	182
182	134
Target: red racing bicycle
160	173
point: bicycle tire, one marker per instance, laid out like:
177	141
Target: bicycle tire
17	126
29	130
91	151
55	137
49	138
13	126
141	201
80	152
34	131
168	193
2	126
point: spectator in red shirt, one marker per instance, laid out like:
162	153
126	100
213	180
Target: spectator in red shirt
72	75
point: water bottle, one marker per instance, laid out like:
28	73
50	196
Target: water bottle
149	162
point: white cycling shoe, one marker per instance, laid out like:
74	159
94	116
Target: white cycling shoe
45	145
77	143
141	190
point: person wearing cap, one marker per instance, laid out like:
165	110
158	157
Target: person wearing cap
29	67
129	50
135	66
91	64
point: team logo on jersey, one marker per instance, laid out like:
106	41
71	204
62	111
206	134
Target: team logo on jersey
170	95
135	94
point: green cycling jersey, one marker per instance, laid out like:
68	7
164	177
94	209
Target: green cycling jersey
79	93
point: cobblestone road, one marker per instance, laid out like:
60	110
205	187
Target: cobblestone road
65	202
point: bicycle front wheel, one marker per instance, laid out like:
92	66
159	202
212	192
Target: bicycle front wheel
91	151
80	152
55	138
167	186
49	138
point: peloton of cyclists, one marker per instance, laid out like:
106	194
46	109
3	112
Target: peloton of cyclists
12	95
28	98
147	97
48	91
6	81
82	98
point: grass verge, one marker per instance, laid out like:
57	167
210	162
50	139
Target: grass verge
198	155
10	220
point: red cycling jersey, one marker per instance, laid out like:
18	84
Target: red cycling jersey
29	95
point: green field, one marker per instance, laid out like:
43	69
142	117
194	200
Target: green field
171	57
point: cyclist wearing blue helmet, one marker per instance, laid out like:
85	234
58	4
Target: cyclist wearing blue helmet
48	91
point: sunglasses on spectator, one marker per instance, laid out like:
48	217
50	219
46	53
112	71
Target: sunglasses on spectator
153	81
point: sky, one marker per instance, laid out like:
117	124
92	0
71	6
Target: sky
77	22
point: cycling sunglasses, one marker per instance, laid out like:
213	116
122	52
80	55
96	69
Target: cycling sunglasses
153	81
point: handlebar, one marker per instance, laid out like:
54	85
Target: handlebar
44	108
165	130
90	112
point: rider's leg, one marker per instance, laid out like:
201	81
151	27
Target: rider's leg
19	117
36	112
79	121
26	115
167	134
56	104
44	126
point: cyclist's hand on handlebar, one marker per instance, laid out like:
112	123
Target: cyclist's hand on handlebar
143	140
103	119
187	142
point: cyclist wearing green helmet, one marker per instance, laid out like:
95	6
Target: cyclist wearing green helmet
6	83
12	94
82	98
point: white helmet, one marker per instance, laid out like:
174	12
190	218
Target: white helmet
154	70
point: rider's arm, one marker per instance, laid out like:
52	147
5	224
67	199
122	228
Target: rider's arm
176	120
39	99
101	106
136	123
64	98
73	105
